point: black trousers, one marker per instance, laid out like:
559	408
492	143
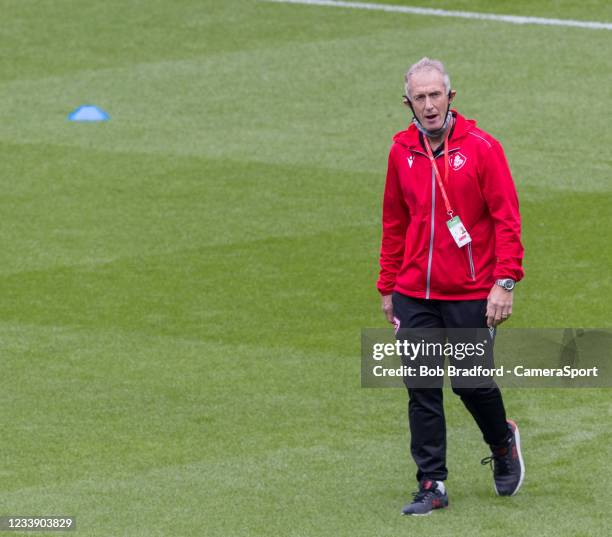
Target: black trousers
425	406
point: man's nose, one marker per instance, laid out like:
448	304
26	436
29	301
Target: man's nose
428	103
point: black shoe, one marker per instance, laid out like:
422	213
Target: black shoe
507	463
428	498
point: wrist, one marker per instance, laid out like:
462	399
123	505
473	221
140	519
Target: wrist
507	284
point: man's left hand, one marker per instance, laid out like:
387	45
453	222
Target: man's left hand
499	306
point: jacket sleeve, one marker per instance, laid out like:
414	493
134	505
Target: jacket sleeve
500	196
395	220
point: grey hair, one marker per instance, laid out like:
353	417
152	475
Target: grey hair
425	64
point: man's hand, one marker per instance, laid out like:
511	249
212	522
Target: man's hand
387	307
499	305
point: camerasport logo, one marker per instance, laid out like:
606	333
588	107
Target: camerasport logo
457	161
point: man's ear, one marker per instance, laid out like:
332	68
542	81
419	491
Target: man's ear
408	103
451	95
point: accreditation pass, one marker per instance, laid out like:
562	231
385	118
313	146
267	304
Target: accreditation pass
458	231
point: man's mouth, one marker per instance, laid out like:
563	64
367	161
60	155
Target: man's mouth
431	117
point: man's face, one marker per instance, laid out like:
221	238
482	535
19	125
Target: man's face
429	98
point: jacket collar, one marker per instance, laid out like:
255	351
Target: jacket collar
410	137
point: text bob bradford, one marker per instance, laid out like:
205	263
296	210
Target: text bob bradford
411	350
479	371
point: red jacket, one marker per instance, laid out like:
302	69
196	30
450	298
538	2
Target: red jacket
419	256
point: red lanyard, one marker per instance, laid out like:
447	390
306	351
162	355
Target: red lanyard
447	204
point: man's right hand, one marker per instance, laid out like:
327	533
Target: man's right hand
387	307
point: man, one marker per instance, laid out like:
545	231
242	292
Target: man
450	257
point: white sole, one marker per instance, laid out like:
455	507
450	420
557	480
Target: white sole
517	440
417	514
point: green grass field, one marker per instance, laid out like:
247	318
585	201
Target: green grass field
183	287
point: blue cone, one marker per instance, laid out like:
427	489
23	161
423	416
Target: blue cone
88	112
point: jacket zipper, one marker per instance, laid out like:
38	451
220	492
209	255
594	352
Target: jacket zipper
472	270
431	235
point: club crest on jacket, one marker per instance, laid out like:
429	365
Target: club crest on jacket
457	161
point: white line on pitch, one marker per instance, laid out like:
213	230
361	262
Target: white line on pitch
413	10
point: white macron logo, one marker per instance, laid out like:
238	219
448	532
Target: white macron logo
410	160
457	161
